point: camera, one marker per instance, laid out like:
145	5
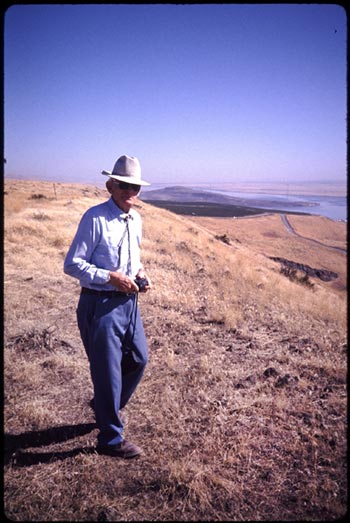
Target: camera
141	283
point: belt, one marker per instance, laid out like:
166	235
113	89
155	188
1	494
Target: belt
108	294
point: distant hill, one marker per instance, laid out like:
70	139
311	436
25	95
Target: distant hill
197	202
187	194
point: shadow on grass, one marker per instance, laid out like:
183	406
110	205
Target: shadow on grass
15	443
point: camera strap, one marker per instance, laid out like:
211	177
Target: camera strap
120	244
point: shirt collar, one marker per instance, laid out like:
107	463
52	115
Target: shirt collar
118	212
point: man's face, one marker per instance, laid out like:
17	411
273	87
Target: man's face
124	194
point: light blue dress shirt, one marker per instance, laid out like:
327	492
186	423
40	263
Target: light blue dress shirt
96	248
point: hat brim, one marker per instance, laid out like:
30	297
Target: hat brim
128	179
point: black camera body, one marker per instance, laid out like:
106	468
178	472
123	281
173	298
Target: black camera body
141	283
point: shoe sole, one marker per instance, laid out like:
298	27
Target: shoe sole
116	454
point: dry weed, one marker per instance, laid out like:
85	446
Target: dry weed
242	409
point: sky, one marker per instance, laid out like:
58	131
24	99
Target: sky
199	93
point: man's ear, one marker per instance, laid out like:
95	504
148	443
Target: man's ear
109	185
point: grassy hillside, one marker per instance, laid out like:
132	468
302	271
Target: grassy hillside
321	242
242	409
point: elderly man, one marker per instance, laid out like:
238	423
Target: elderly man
105	257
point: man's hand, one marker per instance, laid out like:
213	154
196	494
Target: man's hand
123	283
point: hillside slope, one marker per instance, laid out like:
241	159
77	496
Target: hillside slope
242	409
314	240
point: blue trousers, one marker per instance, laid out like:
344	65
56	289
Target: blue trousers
112	332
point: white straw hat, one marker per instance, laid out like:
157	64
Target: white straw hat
127	169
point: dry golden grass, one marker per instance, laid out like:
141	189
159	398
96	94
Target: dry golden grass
242	409
267	235
320	228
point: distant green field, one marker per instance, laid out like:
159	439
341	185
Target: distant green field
213	209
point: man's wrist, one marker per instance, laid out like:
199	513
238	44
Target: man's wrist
108	277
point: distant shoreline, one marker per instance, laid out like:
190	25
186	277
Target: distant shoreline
292	189
200	202
215	210
336	188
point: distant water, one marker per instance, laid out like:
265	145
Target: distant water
334	207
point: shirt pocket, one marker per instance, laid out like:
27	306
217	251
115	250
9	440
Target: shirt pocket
106	254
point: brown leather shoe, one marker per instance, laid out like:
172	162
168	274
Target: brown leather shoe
124	449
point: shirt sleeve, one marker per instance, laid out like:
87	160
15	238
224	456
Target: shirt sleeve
77	262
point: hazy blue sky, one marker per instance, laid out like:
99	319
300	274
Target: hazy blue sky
197	92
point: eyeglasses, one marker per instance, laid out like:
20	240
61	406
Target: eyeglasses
125	186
